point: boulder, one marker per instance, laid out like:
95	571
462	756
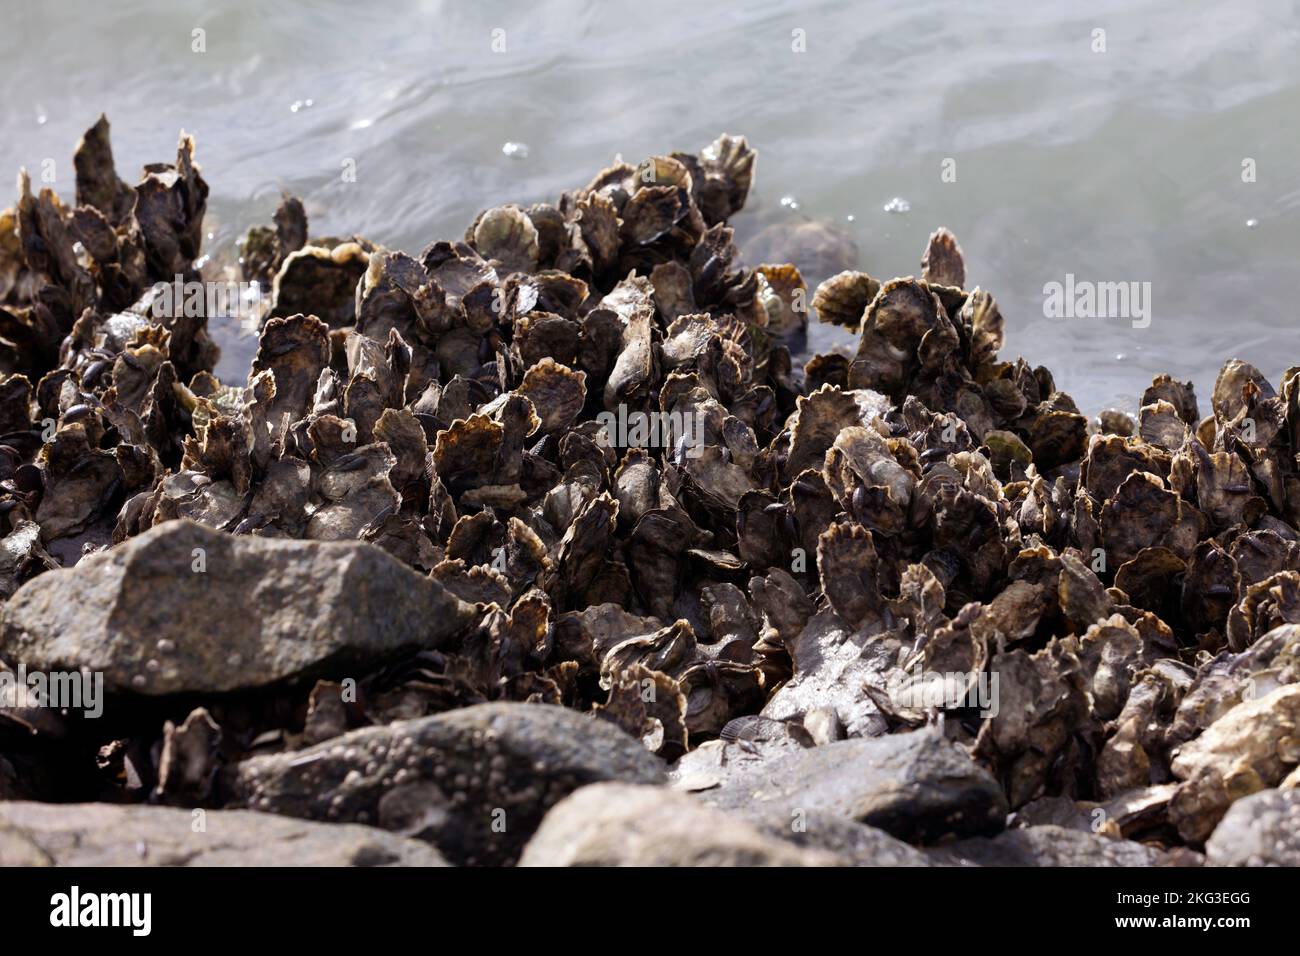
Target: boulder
1047	845
615	824
1259	830
476	781
916	786
855	843
102	834
187	609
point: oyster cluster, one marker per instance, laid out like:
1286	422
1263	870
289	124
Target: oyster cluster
737	616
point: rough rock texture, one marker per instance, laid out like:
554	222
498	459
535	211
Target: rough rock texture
1044	846
612	824
475	781
260	611
98	834
855	842
1259	830
915	785
1251	748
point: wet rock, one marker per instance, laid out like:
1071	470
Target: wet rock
615	824
185	609
97	834
476	781
916	786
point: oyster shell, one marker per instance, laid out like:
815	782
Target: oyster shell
847	528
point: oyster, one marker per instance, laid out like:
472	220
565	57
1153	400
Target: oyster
762	563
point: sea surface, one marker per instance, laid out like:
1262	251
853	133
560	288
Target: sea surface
1147	141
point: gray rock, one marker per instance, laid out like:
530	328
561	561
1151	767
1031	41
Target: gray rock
916	786
853	842
1044	846
18	849
1260	830
475	781
260	611
614	824
101	834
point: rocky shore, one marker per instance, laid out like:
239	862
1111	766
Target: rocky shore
541	547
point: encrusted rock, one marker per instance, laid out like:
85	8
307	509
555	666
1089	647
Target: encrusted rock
185	609
475	781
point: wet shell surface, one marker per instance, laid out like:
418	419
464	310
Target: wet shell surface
582	428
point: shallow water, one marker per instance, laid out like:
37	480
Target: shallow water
1123	165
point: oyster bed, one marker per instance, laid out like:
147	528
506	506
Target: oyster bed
902	607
